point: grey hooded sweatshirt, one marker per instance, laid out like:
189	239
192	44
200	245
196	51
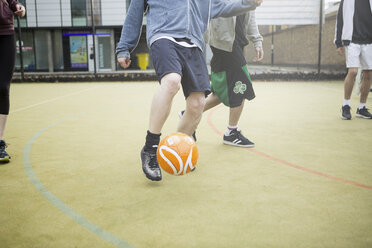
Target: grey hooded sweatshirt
175	18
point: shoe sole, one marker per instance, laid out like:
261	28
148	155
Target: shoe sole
344	118
152	179
5	160
362	116
234	144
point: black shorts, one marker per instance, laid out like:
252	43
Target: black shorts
230	77
169	57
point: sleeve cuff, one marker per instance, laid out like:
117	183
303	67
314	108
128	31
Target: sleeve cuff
13	6
258	44
123	54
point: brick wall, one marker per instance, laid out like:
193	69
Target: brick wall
298	46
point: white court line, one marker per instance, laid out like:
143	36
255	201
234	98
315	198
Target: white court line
53	99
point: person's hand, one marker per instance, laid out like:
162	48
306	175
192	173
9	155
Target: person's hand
21	11
124	62
258	2
341	51
259	54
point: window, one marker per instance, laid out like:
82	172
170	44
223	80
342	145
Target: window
79	12
78	52
28	53
57	50
96	12
41	46
104	51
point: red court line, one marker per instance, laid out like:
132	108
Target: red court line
209	120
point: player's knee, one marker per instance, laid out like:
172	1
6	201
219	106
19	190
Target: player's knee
171	83
352	72
171	87
196	105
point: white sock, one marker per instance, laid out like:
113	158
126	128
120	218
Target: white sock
346	102
229	129
361	105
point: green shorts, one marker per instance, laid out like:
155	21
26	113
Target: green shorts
230	77
232	86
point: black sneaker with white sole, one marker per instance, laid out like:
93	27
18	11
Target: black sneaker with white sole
236	138
363	113
346	115
4	156
180	114
150	165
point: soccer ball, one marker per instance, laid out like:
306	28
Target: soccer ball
177	154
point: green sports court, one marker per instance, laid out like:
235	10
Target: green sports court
75	179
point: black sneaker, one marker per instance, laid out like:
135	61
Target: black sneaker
363	113
180	114
4	156
237	139
346	115
150	165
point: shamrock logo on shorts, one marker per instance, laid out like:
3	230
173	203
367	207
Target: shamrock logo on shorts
240	87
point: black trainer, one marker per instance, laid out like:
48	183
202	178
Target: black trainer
346	115
180	114
150	165
237	139
363	113
4	156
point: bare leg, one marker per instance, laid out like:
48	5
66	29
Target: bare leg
232	135
3	119
195	103
212	101
366	85
162	101
349	82
160	108
235	114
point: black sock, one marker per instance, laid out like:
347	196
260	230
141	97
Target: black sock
152	142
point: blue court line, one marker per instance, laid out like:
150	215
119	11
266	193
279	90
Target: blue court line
57	202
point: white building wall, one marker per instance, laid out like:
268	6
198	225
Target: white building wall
113	12
66	13
288	12
57	13
31	13
48	13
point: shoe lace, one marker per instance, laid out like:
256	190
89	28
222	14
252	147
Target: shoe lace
238	134
365	111
346	108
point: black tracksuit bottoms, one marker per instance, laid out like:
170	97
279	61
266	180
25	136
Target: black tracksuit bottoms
7	60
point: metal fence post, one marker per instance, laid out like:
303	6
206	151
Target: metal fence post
320	37
20	48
